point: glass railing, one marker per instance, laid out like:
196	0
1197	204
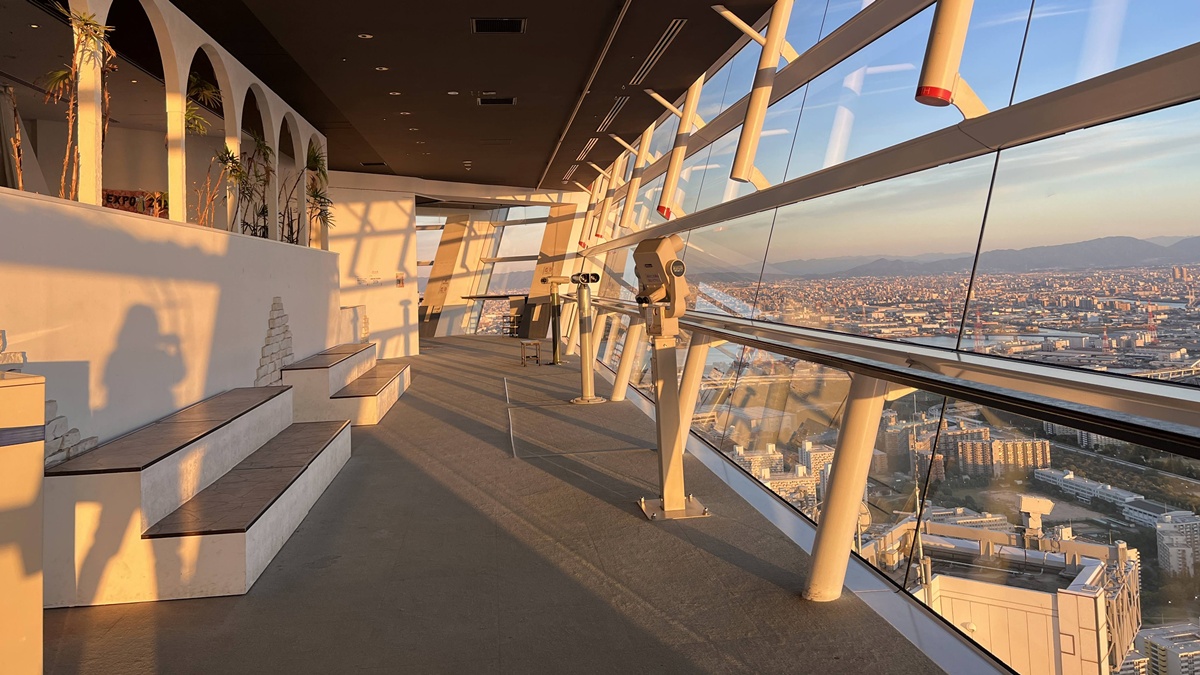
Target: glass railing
1054	548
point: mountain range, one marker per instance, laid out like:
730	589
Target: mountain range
1105	252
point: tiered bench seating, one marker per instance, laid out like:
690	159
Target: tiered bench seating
345	382
193	505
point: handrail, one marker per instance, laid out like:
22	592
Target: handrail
1159	434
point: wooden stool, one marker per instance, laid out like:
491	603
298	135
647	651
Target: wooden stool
537	351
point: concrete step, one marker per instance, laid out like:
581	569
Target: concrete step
96	502
317	377
366	400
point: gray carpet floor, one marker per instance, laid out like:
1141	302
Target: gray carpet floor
486	526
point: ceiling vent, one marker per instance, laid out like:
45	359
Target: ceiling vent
612	114
496	100
586	149
660	47
372	164
570	172
510	26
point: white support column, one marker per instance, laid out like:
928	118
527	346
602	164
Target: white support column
635	179
693	374
273	201
233	141
90	125
22	464
611	345
629	355
760	95
851	463
177	193
667	204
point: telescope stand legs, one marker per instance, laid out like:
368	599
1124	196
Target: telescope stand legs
673	502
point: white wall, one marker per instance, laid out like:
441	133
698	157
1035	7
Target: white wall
375	236
131	318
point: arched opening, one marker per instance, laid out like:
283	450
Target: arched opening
291	184
204	122
135	149
253	175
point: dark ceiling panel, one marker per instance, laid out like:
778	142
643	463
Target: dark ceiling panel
315	59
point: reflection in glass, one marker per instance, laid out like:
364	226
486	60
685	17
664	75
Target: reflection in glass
777	418
520	240
889	260
427	243
1074	272
511	277
724	263
1075	40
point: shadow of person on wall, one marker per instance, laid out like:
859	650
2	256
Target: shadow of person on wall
139	375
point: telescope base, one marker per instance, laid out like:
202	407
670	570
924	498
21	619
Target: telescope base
588	400
654	511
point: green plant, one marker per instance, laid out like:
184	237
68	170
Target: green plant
91	48
199	93
249	175
317	192
316	197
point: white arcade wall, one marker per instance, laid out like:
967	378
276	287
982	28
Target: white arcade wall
130	318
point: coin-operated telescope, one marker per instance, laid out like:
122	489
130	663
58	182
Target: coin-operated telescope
662	288
662	295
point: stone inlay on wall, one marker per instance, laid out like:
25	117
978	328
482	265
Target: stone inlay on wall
62	441
277	349
10	360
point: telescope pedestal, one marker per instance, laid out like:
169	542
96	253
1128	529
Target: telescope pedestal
673	502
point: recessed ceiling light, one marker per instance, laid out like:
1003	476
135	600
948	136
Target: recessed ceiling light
420	142
487	93
33	25
452	93
133	81
413	129
424	153
381	68
405	112
393	93
365	36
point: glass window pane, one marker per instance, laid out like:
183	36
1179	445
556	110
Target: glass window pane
511	277
645	210
527	212
724	263
890	260
717	187
520	240
423	278
1075	40
865	103
839	12
427	243
712	94
663	138
1091	249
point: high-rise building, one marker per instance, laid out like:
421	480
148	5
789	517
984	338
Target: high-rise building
997	457
1178	535
1171	650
